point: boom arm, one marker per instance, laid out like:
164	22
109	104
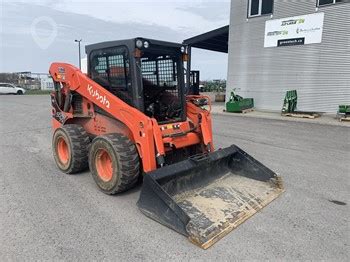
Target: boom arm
138	123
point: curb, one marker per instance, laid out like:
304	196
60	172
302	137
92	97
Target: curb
328	120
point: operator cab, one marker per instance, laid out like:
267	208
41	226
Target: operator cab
147	74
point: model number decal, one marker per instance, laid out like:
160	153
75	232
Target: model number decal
101	98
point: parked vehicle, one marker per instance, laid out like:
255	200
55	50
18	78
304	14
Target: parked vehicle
6	88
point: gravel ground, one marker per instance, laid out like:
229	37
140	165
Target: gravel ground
46	215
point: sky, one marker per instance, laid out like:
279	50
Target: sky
37	33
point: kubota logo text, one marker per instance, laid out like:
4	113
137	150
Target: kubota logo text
101	98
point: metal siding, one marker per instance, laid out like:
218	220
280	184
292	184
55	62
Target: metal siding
319	72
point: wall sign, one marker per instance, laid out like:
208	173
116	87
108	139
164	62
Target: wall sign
297	30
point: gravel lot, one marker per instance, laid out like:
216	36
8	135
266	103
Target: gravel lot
47	215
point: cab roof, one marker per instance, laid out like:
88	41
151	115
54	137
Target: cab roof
130	43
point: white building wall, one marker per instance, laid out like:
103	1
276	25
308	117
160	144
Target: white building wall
46	84
84	65
319	72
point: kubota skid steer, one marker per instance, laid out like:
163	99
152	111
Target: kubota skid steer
129	116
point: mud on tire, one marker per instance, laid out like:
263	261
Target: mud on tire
70	145
114	163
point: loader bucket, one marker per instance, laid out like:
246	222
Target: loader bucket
207	196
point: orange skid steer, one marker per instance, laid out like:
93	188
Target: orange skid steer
129	116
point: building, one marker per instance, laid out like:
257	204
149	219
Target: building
29	80
47	83
280	45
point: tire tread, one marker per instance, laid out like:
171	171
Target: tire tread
80	143
128	162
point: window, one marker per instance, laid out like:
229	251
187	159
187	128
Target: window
7	85
161	88
259	7
329	2
109	67
160	72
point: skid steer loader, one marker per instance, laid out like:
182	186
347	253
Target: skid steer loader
129	117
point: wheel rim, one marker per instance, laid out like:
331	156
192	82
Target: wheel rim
104	166
62	150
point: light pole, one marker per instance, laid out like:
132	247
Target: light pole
78	41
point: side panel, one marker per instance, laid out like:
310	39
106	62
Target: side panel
100	125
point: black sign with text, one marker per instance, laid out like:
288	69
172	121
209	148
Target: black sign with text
291	41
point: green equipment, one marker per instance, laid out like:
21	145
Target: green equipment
238	104
290	102
344	109
290	106
343	112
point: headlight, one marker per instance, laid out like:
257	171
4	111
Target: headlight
183	49
139	43
146	44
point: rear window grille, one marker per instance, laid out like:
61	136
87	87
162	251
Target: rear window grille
102	66
149	71
160	72
167	72
117	73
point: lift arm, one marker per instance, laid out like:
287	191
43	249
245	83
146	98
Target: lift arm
138	123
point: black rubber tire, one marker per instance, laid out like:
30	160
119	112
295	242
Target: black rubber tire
19	92
78	142
125	162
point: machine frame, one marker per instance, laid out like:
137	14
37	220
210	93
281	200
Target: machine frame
153	140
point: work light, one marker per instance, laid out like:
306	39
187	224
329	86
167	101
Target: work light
139	43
